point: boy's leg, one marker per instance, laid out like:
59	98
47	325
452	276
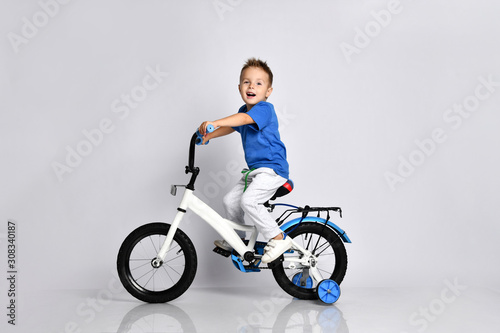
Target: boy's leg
232	205
263	183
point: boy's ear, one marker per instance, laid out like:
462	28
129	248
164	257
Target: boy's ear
269	91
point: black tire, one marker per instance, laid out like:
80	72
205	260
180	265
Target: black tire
156	285
332	259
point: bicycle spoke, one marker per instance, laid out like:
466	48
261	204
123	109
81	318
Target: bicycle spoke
133	269
327	272
174	258
154	247
143	249
172	248
171	267
309	242
322	245
152	277
168	274
143	275
326	248
321	275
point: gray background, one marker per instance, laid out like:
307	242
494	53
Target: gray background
347	121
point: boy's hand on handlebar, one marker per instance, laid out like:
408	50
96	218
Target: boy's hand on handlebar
203	129
202	133
204	139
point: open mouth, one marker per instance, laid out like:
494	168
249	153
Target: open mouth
250	94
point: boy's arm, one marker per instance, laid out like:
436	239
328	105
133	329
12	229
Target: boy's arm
235	120
221	131
225	125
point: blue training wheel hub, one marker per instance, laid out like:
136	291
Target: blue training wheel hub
296	281
328	291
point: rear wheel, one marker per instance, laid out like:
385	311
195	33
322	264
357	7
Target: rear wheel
331	263
151	281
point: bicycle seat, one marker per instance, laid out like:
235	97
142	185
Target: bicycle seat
283	190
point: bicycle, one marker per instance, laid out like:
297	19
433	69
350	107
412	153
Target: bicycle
157	262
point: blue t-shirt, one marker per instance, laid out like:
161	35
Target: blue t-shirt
261	141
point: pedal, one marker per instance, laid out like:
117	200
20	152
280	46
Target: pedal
259	247
276	262
222	252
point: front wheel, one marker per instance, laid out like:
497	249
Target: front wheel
331	260
142	277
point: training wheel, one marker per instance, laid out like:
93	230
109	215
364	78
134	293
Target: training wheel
328	291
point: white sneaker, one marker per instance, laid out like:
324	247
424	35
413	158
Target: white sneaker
275	248
223	245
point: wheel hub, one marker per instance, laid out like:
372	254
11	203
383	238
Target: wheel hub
312	261
156	263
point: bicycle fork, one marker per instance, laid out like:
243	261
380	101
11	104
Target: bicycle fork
158	261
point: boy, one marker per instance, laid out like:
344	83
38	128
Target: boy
265	155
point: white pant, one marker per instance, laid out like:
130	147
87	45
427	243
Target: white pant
262	184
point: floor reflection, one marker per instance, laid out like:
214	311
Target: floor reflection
307	316
248	310
156	318
296	316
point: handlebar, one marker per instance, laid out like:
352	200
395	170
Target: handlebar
199	138
196	139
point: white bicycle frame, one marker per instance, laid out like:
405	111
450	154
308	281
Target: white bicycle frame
226	229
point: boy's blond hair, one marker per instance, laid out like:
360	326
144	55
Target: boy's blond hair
252	62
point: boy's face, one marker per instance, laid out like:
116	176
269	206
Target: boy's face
254	86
